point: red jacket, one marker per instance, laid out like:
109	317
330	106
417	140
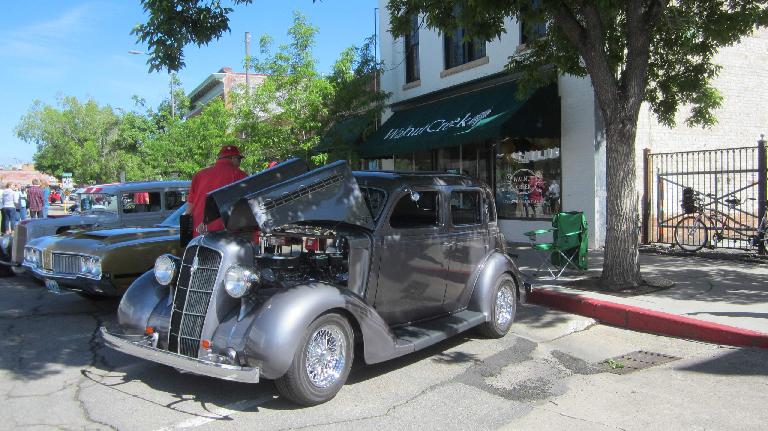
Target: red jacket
208	180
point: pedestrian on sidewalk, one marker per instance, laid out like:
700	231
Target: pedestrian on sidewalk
23	204
35	198
46	198
8	208
225	171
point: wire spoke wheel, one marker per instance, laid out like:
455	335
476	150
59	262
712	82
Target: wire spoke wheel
321	363
505	306
326	356
691	234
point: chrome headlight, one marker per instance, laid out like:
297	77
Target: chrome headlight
165	269
32	256
90	265
238	280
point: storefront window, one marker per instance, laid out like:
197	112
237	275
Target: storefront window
423	161
528	178
449	160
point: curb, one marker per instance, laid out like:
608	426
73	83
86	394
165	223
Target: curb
645	320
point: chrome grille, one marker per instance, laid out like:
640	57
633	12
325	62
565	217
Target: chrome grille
19	241
194	289
66	263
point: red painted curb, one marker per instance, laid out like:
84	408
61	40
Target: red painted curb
642	319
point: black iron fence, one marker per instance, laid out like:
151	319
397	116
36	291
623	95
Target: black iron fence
730	183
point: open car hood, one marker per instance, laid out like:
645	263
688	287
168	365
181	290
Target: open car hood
287	194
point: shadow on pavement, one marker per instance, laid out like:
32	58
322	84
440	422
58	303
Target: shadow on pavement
737	362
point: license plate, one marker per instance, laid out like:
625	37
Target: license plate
53	286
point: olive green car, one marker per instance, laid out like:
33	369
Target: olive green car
100	263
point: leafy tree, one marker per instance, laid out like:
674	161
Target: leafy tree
634	51
184	147
283	116
76	137
173	24
354	82
286	115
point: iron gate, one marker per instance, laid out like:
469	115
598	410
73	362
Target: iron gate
731	183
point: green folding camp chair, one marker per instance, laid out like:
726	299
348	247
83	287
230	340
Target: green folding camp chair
568	248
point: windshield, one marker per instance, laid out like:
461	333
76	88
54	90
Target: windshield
97	201
173	219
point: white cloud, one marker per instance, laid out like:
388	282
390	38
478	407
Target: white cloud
46	43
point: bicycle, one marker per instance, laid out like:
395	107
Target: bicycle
692	231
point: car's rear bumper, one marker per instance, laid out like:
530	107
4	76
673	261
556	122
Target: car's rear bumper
142	347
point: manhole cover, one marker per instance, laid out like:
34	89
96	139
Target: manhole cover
633	361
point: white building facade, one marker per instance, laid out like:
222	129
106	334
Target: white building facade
453	108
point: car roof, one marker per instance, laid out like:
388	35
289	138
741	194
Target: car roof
392	179
138	186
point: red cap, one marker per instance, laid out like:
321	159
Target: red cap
272	164
229	151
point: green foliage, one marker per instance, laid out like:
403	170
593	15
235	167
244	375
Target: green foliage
82	138
184	147
286	115
173	24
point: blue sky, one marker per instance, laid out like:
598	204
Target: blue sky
80	48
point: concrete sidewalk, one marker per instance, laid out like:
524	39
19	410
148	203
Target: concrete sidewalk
723	301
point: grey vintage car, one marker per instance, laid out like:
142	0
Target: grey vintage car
136	204
386	262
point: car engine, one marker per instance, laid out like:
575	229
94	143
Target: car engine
297	256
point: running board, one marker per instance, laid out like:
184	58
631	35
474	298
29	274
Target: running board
425	334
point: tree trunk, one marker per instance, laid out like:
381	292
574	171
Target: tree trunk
622	266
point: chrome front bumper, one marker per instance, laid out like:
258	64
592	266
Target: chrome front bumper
141	347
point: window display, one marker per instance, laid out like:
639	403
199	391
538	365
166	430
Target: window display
528	178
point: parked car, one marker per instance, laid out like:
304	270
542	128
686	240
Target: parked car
100	207
389	262
101	263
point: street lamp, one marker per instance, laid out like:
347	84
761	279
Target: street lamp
170	78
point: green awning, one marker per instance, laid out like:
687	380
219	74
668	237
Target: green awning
344	134
470	117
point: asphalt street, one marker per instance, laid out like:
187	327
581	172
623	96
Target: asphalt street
555	371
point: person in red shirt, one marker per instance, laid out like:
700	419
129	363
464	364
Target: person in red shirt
225	171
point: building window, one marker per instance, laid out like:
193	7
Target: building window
412	51
530	31
528	178
458	51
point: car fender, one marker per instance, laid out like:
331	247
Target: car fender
496	264
270	333
139	301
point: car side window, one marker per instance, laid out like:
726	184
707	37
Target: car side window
416	210
141	202
175	199
465	207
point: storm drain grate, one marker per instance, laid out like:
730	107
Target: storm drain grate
634	361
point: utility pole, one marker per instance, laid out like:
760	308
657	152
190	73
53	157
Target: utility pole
247	62
173	97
